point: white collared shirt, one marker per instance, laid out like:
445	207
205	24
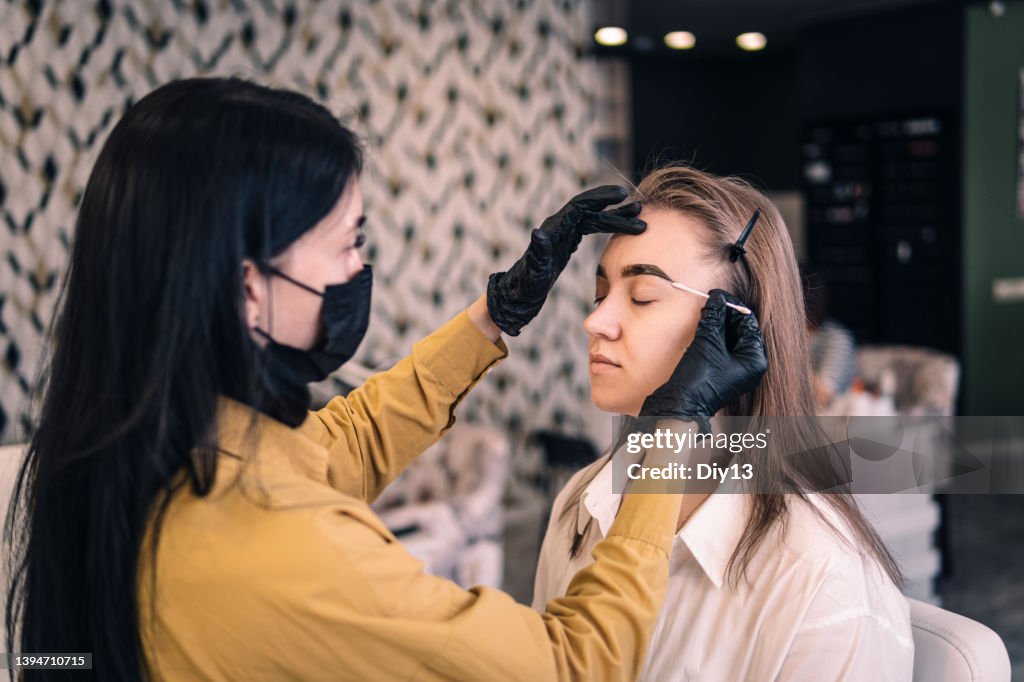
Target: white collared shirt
810	607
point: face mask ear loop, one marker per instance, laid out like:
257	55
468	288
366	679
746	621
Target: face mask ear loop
269	269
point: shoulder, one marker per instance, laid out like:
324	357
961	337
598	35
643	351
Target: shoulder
264	520
807	518
340	552
321	533
816	534
243	560
332	531
845	581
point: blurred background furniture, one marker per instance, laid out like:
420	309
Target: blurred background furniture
905	381
926	380
949	647
563	457
547	462
446	507
908	524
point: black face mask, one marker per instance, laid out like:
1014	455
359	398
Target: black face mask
345	314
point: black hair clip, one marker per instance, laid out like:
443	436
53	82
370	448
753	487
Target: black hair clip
736	250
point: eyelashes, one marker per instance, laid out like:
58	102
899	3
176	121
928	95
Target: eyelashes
597	301
360	240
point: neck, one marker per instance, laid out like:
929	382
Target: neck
691	502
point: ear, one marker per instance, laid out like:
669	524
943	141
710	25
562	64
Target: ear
255	285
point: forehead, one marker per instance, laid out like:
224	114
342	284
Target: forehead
350	203
670	241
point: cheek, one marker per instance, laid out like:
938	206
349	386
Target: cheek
296	318
353	264
650	347
667	339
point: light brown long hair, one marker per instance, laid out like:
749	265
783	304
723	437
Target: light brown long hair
768	283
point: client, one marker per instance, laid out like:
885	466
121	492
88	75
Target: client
790	584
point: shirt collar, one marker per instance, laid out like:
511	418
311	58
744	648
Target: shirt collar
711	534
275	444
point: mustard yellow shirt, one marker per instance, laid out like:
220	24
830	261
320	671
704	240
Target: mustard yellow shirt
283	572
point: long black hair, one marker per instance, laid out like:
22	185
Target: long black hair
148	331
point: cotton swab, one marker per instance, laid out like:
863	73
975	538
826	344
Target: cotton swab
741	308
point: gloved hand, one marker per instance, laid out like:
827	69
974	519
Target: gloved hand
710	375
516	296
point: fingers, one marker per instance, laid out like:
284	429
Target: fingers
592	218
748	343
744	326
611	222
598	198
740	325
621	220
712	315
630	210
539	255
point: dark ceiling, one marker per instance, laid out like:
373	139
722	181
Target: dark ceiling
716	23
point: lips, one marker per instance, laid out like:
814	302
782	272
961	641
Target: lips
599	364
597	357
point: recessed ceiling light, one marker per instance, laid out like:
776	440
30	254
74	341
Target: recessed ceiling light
751	41
680	40
611	36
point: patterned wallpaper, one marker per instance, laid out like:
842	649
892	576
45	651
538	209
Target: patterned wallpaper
479	122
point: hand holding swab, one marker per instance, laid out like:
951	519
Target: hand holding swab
743	309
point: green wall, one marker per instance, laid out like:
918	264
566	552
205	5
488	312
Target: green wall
993	239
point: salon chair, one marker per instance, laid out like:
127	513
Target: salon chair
919	382
949	647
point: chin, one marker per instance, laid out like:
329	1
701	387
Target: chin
604	401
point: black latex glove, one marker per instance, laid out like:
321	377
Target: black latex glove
516	296
711	375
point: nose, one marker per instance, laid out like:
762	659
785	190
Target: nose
355	264
604	321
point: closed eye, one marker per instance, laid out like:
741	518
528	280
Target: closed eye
597	301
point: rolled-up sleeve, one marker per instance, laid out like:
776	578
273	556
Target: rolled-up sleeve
373	433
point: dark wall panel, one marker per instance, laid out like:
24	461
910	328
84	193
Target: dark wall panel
727	116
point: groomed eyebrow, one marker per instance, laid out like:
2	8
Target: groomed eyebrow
357	225
637	269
